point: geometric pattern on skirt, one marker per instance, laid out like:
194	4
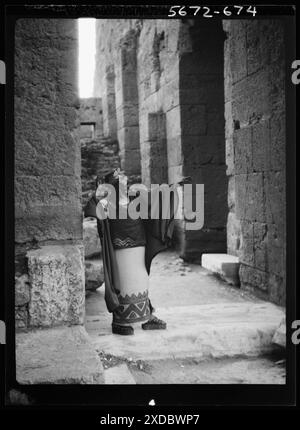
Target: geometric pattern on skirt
133	308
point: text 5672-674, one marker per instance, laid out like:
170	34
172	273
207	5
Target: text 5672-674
210	12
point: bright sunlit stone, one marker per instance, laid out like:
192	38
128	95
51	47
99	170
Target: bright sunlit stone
87	48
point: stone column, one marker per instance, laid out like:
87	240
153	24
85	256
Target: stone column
154	151
255	140
47	170
127	105
201	86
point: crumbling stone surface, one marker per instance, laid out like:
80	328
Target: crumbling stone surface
56	275
255	152
60	355
21	316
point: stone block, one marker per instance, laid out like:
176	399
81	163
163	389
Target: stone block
156	125
91	240
247	243
233	234
94	276
22	290
49	223
249	192
194	120
252	278
231	193
128	115
242	150
131	161
129	138
203	150
173	122
274	184
238	52
254	54
277	152
225	265
50	150
229	129
21	317
260	241
227	71
261	146
171	95
61	355
277	289
129	87
251	98
198	242
56	275
215	120
276	259
229	154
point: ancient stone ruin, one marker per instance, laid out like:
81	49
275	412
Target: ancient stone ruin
171	98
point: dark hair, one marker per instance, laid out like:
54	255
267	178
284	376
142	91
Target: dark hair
107	178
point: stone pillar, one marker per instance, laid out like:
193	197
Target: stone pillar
110	121
202	128
255	156
127	105
47	150
154	153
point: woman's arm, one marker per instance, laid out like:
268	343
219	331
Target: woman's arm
90	208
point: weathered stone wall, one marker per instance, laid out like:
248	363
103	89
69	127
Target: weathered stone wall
47	149
116	83
178	69
255	152
97	156
169	103
159	109
91	113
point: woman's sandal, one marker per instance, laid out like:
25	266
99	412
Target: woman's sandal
122	329
154	324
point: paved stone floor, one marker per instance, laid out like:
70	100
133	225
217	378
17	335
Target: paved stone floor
216	334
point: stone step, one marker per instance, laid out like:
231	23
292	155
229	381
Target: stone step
205	331
256	370
118	375
225	265
62	355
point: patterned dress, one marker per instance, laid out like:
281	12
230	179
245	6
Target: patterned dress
129	241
